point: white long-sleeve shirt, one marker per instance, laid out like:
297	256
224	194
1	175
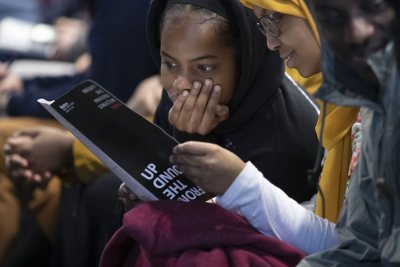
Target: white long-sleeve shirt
275	214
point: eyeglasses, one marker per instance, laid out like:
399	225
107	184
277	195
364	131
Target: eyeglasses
268	24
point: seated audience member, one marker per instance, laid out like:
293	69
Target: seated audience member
253	93
291	30
359	70
116	64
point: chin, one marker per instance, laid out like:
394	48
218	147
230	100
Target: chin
308	72
305	74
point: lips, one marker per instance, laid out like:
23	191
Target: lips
289	58
286	54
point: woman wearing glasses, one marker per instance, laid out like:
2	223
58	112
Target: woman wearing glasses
291	30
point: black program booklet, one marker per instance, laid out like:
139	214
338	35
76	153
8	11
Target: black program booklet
133	148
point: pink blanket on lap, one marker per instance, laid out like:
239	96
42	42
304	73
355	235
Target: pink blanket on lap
173	233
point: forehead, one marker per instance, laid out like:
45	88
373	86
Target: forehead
188	37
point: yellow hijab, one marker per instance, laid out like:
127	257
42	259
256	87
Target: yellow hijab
338	120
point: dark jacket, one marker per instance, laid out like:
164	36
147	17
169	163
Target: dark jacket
120	58
271	120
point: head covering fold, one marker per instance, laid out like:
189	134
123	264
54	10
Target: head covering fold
296	8
212	5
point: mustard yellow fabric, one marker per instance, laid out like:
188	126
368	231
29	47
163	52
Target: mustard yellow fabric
44	201
311	84
337	142
295	8
338	121
87	166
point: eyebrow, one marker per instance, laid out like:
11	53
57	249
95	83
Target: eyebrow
192	60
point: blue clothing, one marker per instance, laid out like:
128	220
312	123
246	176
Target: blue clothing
28	10
25	104
120	58
39	11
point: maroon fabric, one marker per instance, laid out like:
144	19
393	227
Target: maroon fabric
173	233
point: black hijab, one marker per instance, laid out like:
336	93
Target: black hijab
258	66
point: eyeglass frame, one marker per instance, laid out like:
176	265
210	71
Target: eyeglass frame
267	25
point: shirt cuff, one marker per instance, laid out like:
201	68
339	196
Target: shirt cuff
243	183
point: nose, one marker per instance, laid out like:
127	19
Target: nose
182	83
273	43
359	30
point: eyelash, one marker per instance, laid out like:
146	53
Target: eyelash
202	68
169	64
206	68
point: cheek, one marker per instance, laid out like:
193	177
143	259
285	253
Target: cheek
311	57
226	93
166	81
228	86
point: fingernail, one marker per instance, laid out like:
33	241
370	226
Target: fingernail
217	89
207	82
196	85
185	93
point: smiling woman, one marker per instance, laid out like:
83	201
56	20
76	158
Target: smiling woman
299	43
294	40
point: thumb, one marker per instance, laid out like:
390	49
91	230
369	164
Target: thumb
26	132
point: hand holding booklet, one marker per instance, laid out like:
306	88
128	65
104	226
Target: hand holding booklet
134	149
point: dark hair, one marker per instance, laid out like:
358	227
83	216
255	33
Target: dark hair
228	33
396	27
